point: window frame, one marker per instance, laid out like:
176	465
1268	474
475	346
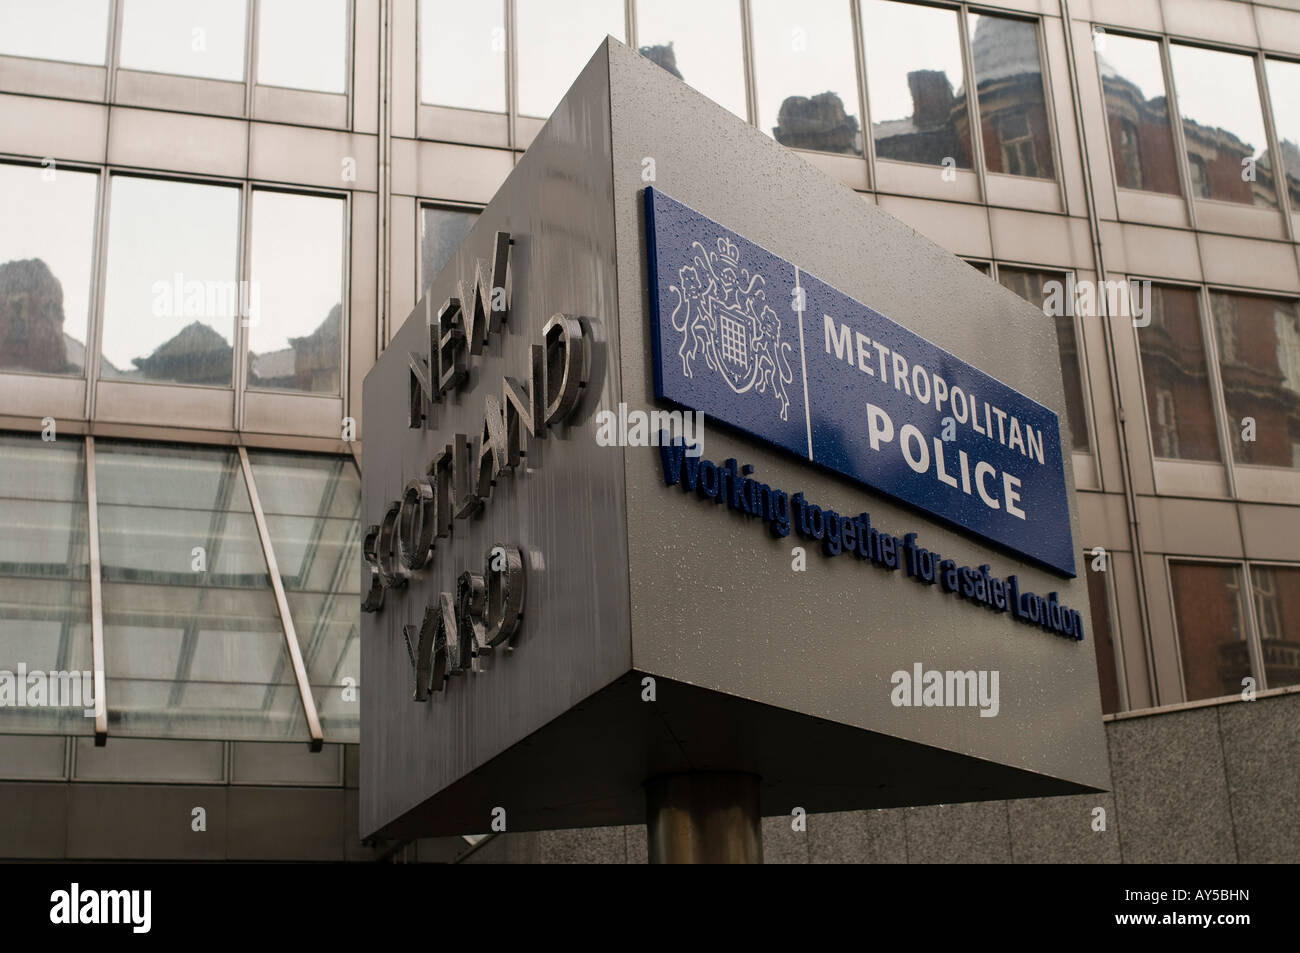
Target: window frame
93	291
349	28
420	206
1084	461
1251	635
345	290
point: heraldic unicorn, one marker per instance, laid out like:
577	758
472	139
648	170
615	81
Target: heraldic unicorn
722	312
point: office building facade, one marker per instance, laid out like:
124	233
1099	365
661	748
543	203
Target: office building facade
217	214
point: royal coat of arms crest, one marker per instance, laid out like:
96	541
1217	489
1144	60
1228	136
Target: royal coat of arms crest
723	313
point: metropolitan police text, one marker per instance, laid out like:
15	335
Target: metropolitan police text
915	380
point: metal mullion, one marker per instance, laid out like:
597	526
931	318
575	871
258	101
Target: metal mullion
1254	638
96	598
350	69
973	109
747	58
282	605
345	311
1214	379
98	279
112	57
252	19
1049	109
1281	187
239	359
512	75
1180	140
382	148
864	101
1116	634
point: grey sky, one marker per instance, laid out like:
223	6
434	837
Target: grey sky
900	38
71	30
556	39
706	42
802	49
460	66
160	36
1216	88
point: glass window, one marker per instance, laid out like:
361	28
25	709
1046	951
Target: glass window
699	43
441	231
1211	633
1179	410
1259	362
555	40
313	514
1009	81
1103	641
170	292
1137	110
296	292
186	37
1277	606
74	31
915	83
1284	88
302	44
1033	287
1223	124
193	643
463	54
44	580
47	251
805	74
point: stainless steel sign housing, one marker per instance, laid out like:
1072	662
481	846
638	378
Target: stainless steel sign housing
557	624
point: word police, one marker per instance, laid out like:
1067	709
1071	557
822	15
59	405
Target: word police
458	481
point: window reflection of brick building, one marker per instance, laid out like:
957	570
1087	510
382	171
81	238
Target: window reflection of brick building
1215	158
1030	285
1259	356
309	363
819	123
938	127
1013	113
1207	603
1277	609
1141	140
31	318
1177	383
194	355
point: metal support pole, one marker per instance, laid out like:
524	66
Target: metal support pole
704	817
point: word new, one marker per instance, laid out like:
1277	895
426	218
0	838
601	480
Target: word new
856	536
458	481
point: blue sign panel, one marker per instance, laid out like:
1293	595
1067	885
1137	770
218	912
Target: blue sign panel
751	340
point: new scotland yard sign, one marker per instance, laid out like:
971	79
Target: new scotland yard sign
757	343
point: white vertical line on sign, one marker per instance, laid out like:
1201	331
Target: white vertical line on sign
803	361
